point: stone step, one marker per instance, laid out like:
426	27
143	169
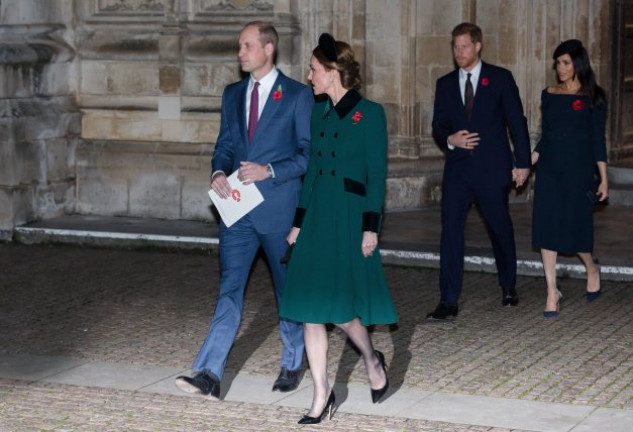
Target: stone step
620	186
620	175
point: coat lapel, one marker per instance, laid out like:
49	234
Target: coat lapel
480	93
241	110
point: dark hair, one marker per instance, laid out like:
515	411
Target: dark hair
584	72
470	29
347	67
267	33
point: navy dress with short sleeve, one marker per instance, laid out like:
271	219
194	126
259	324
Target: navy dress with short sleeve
572	141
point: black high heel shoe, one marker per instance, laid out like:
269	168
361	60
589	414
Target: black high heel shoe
376	395
554	313
591	296
329	407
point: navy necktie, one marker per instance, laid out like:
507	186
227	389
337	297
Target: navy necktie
469	96
253	112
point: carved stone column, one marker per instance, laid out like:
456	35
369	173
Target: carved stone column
39	121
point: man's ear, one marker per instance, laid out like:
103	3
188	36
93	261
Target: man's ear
269	49
478	47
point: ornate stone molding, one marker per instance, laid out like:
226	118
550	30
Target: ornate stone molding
126	7
234	6
33	44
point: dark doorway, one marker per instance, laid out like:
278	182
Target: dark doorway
621	92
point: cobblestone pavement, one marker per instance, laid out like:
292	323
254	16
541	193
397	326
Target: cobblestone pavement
153	308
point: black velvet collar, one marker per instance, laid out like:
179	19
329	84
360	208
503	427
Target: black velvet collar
345	105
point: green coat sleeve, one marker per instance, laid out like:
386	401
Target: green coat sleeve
375	137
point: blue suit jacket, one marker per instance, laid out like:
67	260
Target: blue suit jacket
282	139
497	106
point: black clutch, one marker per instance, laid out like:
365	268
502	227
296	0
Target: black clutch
284	259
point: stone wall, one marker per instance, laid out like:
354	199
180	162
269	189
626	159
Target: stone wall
147	77
39	120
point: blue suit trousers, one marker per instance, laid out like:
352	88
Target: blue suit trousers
238	247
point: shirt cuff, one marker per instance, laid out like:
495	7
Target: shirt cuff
450	146
217	172
272	171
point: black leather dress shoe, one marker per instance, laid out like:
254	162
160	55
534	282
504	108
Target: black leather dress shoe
443	311
201	383
287	380
510	297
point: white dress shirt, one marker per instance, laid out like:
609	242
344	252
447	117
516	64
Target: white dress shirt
265	87
474	78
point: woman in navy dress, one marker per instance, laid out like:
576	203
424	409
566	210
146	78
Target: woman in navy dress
572	144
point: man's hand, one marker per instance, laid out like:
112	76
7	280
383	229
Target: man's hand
250	172
520	175
221	185
464	139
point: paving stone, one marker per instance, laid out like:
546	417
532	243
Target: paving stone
152	308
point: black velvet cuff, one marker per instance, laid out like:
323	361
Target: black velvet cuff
298	220
371	222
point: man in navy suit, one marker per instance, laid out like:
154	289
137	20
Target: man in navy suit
474	107
265	135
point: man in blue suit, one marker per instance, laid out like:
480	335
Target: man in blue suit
265	135
474	106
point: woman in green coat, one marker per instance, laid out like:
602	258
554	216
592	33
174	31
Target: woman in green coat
335	274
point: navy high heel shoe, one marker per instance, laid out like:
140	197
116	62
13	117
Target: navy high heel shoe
591	296
329	407
554	313
376	395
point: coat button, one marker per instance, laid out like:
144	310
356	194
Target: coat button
333	153
320	153
320	172
322	134
333	172
335	134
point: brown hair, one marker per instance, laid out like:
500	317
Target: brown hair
267	33
347	67
470	29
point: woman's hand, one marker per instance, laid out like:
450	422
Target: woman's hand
603	187
534	157
292	236
603	191
369	243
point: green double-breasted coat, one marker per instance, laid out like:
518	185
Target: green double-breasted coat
329	279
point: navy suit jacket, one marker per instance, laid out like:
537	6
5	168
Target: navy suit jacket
282	139
497	106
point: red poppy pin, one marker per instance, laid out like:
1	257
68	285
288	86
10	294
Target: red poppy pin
357	116
485	81
278	93
577	105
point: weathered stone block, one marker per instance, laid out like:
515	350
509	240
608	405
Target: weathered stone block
55	199
169	79
138	78
101	192
16	206
209	79
196	204
405	193
60	159
155	194
93	77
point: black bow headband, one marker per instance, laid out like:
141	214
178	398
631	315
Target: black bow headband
327	45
